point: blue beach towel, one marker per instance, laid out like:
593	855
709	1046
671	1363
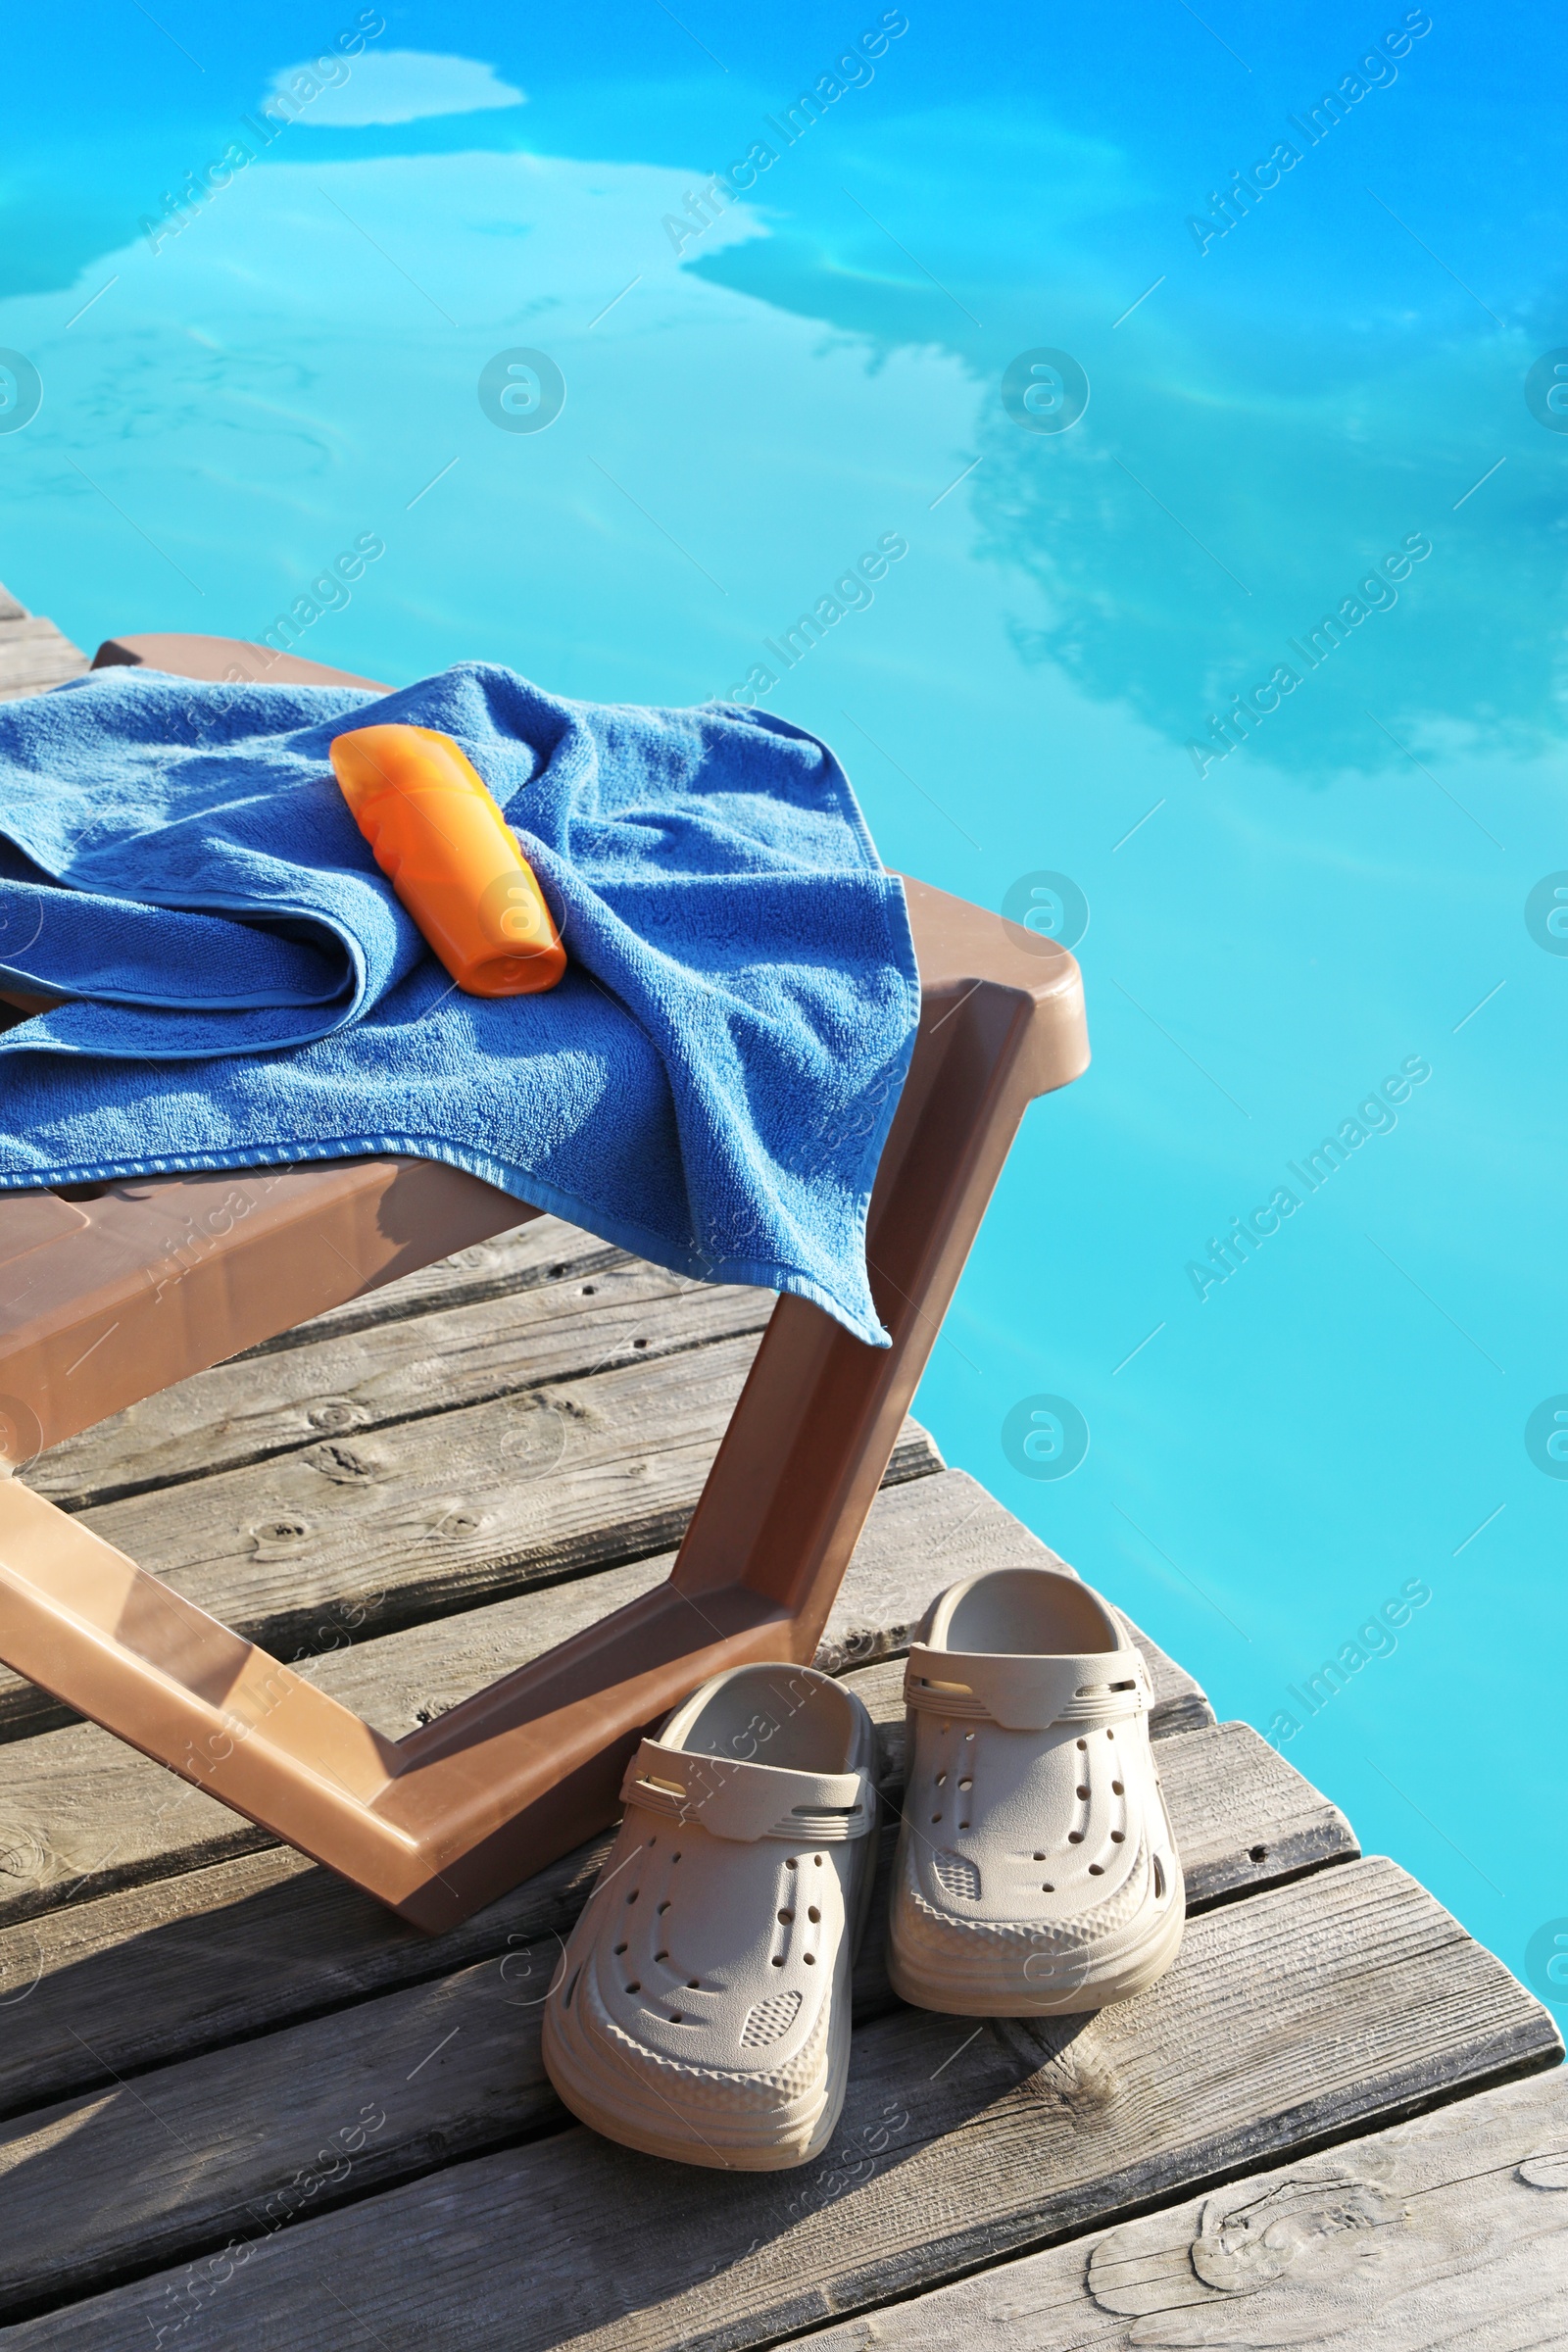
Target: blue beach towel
710	1085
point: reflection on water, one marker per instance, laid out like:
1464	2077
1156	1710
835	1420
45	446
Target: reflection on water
1210	513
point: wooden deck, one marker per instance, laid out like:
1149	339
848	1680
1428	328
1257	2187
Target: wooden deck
34	654
245	2107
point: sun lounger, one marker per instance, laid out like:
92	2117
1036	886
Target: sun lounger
112	1294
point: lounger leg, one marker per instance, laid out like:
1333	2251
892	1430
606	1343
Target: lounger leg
807	1444
448	1819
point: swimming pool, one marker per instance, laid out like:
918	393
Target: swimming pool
1222	432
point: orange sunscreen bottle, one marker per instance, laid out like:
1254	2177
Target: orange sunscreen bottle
451	857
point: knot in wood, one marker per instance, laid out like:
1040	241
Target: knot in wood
460	1520
343	1464
23	1855
279	1538
1064	2060
1249	2238
335	1414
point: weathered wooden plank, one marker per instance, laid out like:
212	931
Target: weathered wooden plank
81	1814
449	1511
240	2116
188	1963
274	2131
217	1419
1310	2011
407	1368
34	654
412	1522
1449	2230
544	1249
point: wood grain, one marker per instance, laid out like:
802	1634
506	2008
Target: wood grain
81	1814
185	1963
336	1383
544	1249
1311	2011
1451	2231
102	2198
34	654
398	1525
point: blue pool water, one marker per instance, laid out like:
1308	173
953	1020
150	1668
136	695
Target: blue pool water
1341	924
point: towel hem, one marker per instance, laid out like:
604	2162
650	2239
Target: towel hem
625	1233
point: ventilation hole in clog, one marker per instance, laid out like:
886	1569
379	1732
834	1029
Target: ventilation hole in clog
674	2016
1112	1735
675	1857
661	1955
1083	1795
963	1824
814	1915
1040	1857
942	1779
766	2020
1083	1743
632	1898
1075	1837
936	1817
968	1735
1097	1870
694	1984
652	1840
785	1917
811	1959
1160	1881
619	1948
966	1784
778	1959
1117	1789
791	1863
817	1859
1258	1853
957	1876
1047	1887
1118	1836
634	1986
663	1908
571	1987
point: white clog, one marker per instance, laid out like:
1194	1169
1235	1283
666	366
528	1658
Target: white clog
1036	1870
702	2008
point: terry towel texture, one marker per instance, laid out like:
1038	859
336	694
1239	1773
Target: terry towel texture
710	1084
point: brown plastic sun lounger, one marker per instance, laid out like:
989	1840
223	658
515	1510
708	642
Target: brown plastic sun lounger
108	1292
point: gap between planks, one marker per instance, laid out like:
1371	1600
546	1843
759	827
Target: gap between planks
433	1517
240	2111
81	1813
181	1965
1272	2034
505	1314
1449	2229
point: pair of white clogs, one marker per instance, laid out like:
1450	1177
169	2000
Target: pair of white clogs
702	2007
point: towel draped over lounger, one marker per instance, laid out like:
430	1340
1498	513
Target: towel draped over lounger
710	1084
